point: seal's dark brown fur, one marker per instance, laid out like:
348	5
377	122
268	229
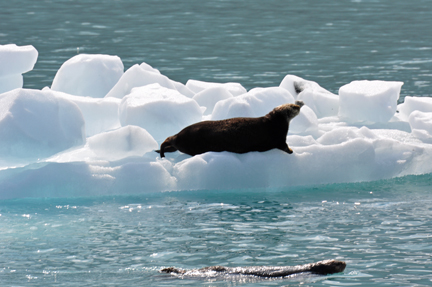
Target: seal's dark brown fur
239	135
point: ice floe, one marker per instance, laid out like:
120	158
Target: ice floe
94	131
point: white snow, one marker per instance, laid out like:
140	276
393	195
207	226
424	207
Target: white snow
69	143
15	61
88	75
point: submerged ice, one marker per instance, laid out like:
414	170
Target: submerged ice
94	131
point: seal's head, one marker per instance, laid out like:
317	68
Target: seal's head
288	110
328	267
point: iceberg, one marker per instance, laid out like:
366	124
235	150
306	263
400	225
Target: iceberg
99	138
88	75
15	61
373	101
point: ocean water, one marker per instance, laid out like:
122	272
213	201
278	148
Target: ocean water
246	41
381	229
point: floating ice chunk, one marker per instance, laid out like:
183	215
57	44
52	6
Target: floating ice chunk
179	86
196	86
100	114
421	125
420	120
256	103
305	121
161	111
369	101
295	85
124	142
138	76
88	75
321	101
36	124
209	97
411	104
14	61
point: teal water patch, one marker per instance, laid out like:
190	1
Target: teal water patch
381	229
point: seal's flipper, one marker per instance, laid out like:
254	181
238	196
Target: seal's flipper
167	149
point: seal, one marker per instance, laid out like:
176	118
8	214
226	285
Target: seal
238	135
324	267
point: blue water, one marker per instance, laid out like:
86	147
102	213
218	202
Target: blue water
381	229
